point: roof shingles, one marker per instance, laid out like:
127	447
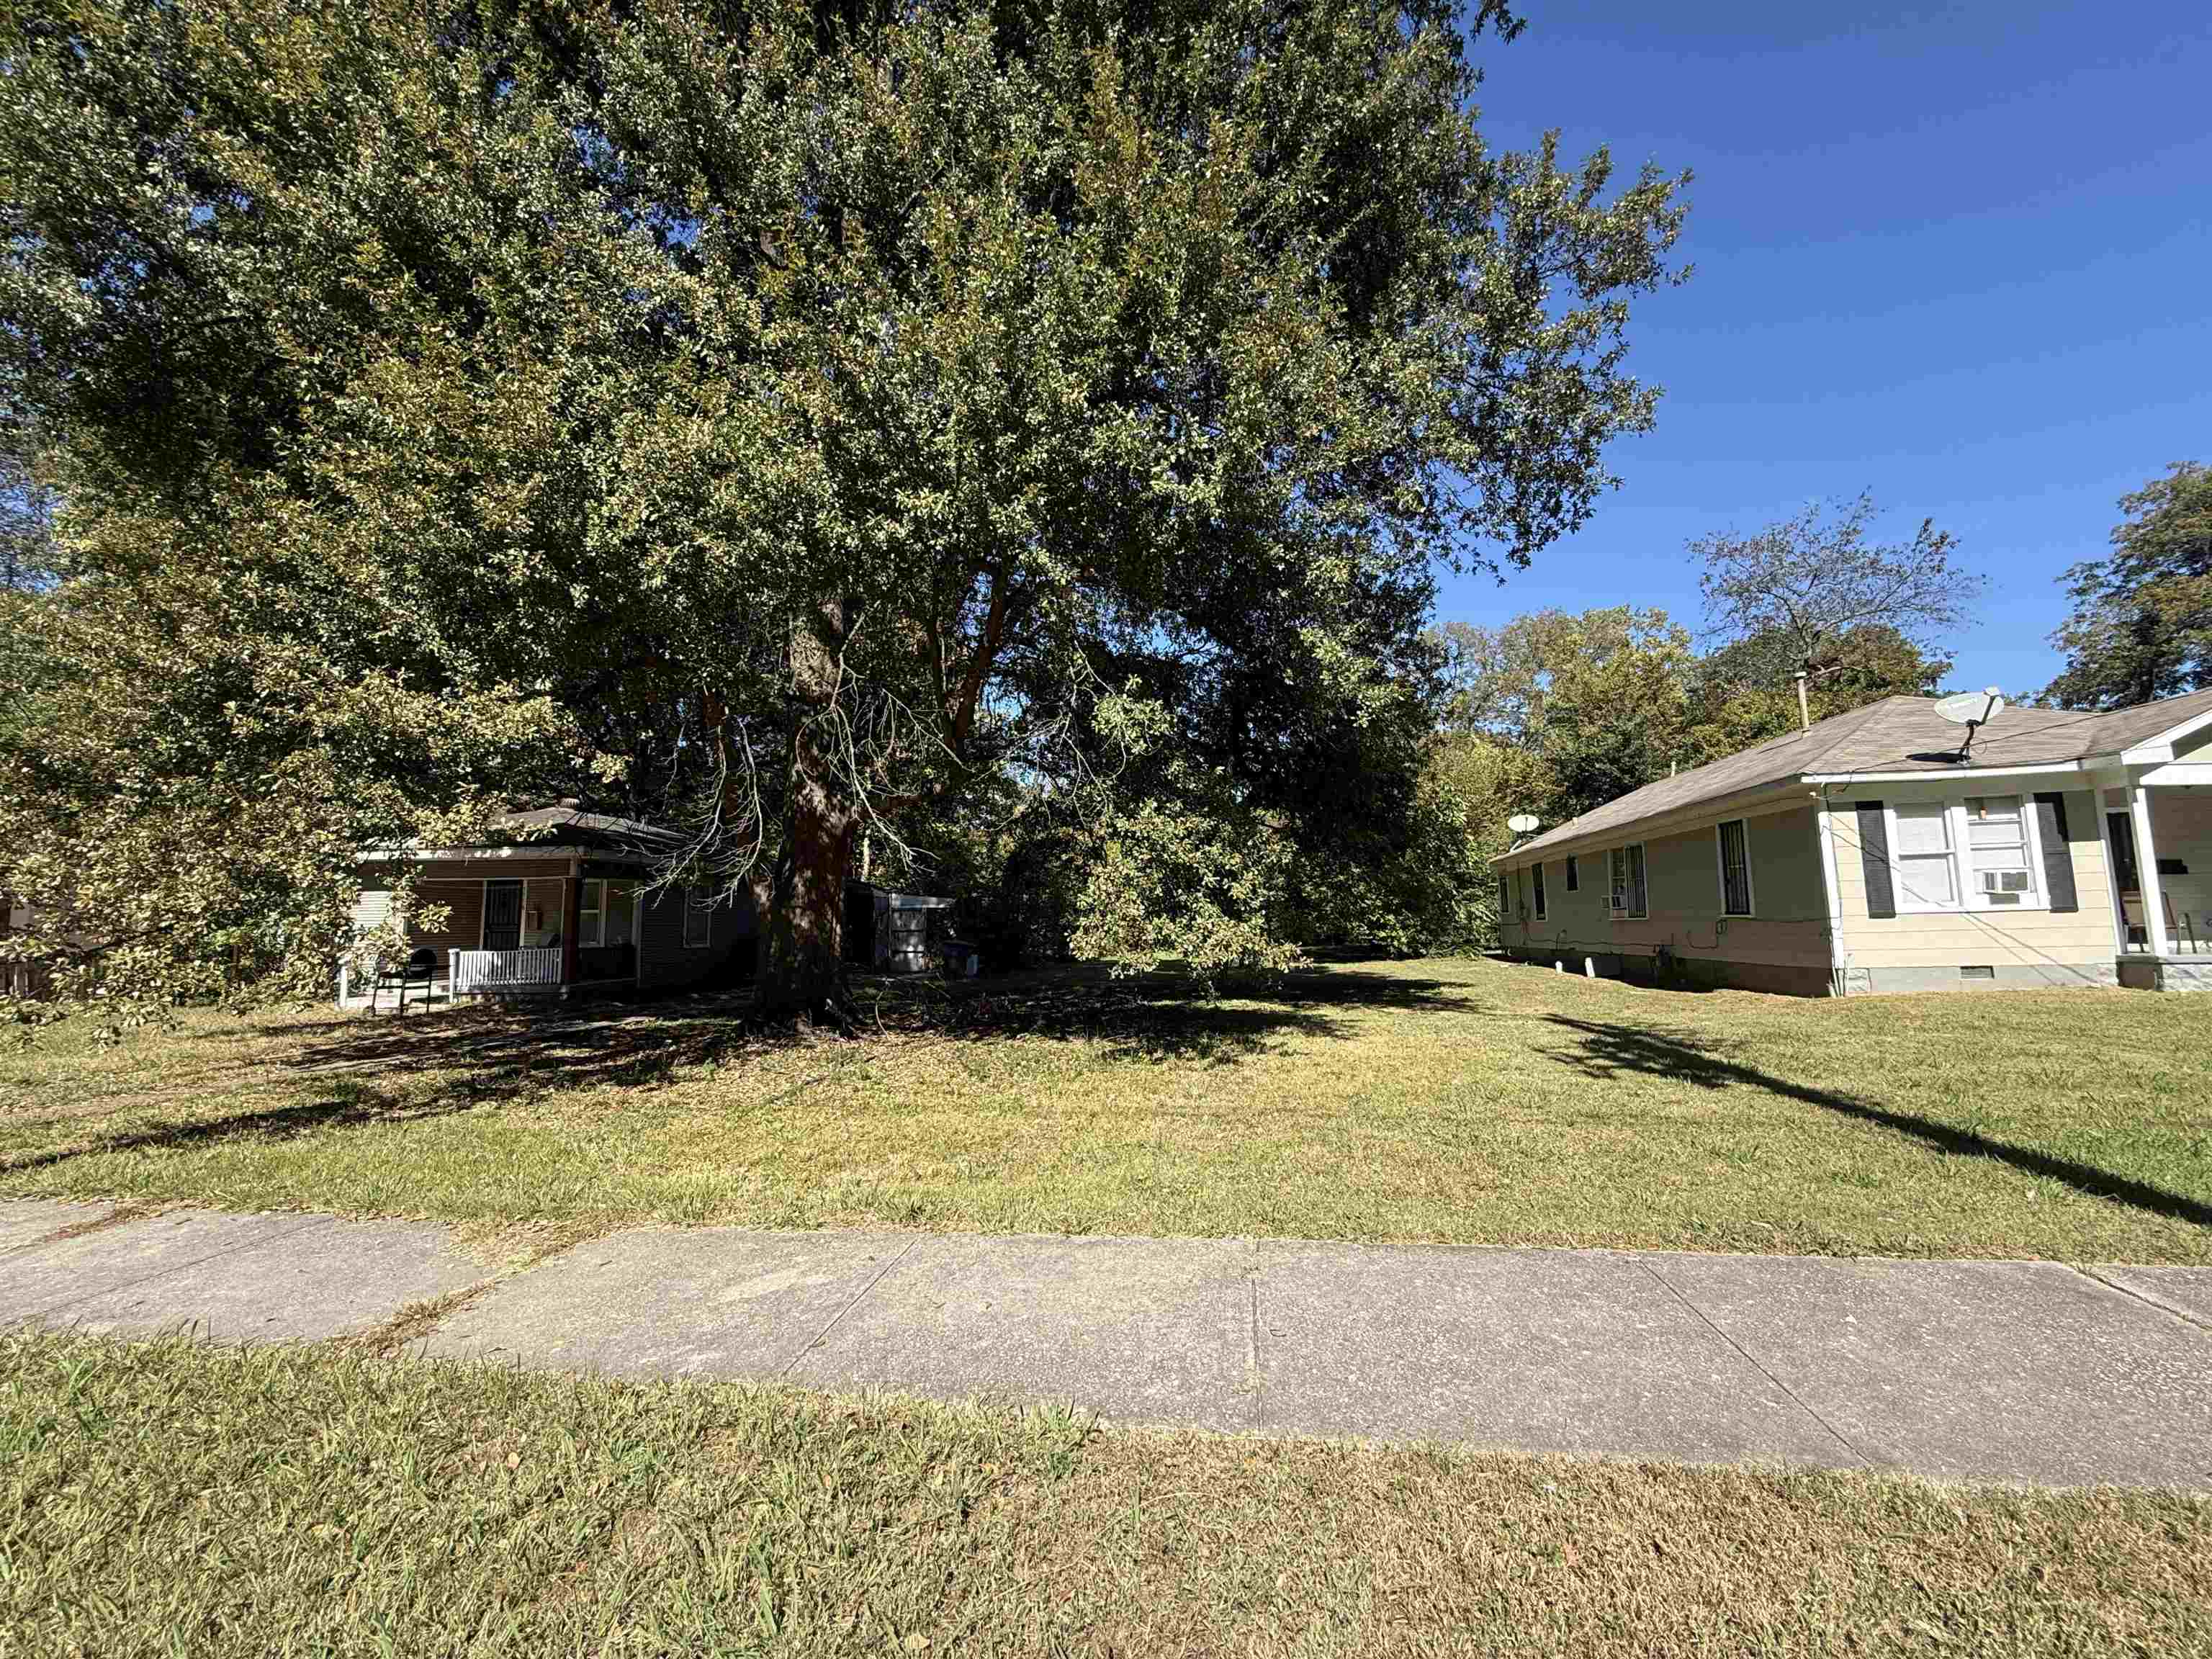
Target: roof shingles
1898	734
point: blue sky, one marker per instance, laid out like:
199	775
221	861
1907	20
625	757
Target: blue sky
1960	256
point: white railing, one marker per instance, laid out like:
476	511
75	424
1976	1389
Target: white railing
497	973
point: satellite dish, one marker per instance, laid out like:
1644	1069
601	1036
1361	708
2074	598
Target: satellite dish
1522	823
1972	709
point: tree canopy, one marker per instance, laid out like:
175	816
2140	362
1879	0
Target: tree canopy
2141	622
1557	713
786	423
1801	585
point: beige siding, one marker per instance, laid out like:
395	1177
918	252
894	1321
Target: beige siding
2056	942
1789	929
464	927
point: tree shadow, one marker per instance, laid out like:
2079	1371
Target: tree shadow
644	1042
1606	1051
350	1103
1164	1017
351	1063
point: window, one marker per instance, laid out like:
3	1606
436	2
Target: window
1735	867
1927	872
622	913
2004	875
1504	896
606	913
1981	853
1574	878
1627	893
1537	871
698	923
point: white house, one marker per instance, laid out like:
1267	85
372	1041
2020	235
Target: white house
1866	854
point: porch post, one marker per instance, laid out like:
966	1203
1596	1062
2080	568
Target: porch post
2098	796
2154	894
572	919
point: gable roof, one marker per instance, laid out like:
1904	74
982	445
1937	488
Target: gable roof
1898	734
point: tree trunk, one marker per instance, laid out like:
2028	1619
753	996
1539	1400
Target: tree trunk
802	972
802	966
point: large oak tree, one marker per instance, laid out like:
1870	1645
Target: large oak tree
789	416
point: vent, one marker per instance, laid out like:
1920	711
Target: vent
1978	973
2004	881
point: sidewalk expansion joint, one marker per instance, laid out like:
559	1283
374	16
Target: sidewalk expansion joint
822	1335
1254	1383
1751	1360
2134	1295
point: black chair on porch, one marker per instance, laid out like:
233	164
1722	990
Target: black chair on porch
419	968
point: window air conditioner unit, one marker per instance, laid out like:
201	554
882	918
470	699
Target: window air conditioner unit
2004	881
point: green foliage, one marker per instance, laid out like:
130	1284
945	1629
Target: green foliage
190	761
1805	582
1599	700
1426	890
1195	880
1555	714
791	426
1745	692
2142	623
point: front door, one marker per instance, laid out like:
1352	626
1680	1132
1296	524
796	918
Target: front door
2127	877
503	915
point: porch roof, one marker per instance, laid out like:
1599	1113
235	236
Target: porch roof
566	829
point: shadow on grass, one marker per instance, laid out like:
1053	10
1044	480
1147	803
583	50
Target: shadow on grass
352	1103
1606	1050
1162	1017
642	1044
488	1054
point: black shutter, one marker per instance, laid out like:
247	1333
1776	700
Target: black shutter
2057	855
1874	853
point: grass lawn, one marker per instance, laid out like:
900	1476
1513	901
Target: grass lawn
1449	1100
167	1497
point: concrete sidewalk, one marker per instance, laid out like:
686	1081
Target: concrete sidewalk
2031	1372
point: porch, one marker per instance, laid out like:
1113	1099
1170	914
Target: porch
498	936
2158	841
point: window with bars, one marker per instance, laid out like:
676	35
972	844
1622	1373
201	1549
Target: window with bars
1735	867
1627	894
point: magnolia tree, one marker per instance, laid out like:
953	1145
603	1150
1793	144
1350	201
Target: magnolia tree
798	420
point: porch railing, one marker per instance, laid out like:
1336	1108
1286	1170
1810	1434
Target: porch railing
496	973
